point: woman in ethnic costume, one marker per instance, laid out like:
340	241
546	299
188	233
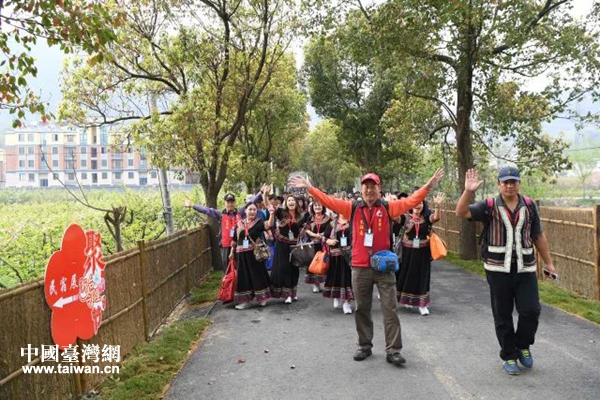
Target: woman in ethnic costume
316	222
284	276
338	282
252	276
415	275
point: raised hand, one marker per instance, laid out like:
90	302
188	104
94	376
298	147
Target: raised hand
438	199
188	203
435	179
472	182
299	182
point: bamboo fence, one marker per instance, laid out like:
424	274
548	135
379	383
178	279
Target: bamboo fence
143	285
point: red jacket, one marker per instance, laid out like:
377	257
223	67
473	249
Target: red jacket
376	217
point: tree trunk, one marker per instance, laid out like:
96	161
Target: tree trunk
464	143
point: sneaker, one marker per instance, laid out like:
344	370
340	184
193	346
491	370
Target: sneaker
336	303
347	308
395	359
424	310
288	300
361	354
316	288
511	367
525	358
296	298
262	303
408	306
242	306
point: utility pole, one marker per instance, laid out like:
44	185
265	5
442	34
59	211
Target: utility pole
163	181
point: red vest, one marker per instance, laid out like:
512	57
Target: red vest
378	220
228	222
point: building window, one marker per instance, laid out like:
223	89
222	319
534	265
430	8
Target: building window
118	164
83	137
21	164
143	181
30	137
55	137
70	153
83	151
103	150
94	152
118	175
31	177
30	150
94	164
94	178
104	163
83	163
70	164
153	174
105	175
30	164
43	182
21	177
130	162
130	175
55	150
84	175
21	137
70	138
103	136
55	176
70	176
21	151
54	163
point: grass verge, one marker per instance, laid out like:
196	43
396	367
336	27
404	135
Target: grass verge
150	366
549	293
208	290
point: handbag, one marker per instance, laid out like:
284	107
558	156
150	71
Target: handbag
261	249
384	261
228	283
301	254
439	248
319	264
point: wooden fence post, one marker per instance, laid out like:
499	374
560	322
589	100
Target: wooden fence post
597	246
188	270
143	266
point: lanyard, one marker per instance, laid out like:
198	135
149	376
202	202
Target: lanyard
291	221
369	225
318	224
246	228
417	224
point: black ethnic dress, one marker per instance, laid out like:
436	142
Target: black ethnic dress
415	274
284	276
338	282
319	229
252	275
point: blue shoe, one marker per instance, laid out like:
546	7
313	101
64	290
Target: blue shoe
525	358
511	367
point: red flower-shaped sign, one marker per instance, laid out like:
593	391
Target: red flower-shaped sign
74	284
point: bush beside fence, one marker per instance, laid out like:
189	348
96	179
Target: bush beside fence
143	286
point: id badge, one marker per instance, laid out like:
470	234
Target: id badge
245	243
343	241
232	232
369	239
416	242
291	235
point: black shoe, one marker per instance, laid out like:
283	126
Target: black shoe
361	354
395	359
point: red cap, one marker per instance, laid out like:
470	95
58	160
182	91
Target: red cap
371	177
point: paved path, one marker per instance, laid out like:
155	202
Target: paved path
304	351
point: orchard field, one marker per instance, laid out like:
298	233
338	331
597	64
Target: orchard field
32	223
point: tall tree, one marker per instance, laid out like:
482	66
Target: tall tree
347	86
208	70
476	61
80	24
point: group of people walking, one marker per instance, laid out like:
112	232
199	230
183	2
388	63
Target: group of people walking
352	230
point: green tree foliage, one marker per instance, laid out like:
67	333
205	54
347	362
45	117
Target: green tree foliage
346	85
268	140
325	161
206	64
70	24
